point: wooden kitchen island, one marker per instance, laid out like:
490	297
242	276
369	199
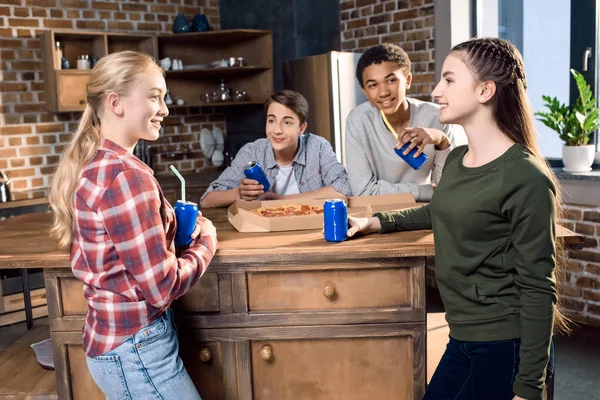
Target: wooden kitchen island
277	316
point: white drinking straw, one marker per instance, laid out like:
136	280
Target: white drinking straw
181	179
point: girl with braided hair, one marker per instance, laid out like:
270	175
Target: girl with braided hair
493	217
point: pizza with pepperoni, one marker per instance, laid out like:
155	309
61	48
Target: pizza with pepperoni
288	210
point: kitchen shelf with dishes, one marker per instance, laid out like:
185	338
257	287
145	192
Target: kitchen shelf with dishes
215	68
68	56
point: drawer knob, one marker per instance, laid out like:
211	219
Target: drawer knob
266	353
205	355
82	102
329	291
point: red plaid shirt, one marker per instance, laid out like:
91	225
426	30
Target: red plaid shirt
123	249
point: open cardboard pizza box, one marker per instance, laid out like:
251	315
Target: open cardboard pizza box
362	206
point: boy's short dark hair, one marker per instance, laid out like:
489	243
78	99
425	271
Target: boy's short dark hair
382	53
292	100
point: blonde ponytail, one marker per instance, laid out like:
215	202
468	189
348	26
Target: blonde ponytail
79	152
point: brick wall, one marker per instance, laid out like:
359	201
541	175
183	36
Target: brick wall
407	23
582	275
32	139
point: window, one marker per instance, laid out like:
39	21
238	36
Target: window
541	30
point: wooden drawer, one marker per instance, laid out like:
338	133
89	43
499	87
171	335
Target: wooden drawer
332	289
203	297
72	300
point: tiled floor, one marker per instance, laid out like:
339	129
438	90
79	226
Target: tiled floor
577	356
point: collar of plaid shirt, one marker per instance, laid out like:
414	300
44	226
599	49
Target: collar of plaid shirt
109	145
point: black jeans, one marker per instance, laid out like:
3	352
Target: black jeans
478	371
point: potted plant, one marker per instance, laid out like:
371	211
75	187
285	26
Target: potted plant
574	125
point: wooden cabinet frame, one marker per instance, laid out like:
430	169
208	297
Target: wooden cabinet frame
65	89
218	331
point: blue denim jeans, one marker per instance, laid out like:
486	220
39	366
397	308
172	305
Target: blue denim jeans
478	370
146	366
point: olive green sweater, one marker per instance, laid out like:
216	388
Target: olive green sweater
494	235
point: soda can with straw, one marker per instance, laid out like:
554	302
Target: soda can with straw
186	213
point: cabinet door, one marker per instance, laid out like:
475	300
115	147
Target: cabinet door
82	383
71	92
204	363
341	368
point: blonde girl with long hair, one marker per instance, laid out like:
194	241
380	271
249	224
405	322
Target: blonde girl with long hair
110	211
493	219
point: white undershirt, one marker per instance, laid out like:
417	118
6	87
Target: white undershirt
285	182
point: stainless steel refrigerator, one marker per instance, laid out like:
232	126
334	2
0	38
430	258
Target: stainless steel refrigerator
328	83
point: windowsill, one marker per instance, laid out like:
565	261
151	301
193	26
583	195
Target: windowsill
593	175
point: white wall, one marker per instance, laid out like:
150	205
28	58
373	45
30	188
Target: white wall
546	51
452	26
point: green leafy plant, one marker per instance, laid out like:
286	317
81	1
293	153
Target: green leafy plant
574	123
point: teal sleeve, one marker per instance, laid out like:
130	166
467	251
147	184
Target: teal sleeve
411	219
529	204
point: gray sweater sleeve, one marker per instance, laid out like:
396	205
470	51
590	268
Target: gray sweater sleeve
362	177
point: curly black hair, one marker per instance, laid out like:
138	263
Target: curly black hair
381	53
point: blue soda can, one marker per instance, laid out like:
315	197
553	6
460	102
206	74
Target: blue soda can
253	170
186	213
415	163
335	215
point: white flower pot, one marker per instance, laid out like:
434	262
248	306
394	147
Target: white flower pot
578	158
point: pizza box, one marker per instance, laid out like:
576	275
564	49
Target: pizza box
243	220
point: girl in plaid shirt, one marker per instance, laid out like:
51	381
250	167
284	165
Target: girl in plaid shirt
112	213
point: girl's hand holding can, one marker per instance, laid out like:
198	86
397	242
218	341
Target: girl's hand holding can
204	227
363	226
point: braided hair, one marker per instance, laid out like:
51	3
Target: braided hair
499	61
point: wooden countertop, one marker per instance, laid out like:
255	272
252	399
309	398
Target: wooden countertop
25	243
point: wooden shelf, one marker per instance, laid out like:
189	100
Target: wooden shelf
65	89
67	72
222	36
217	104
215	72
